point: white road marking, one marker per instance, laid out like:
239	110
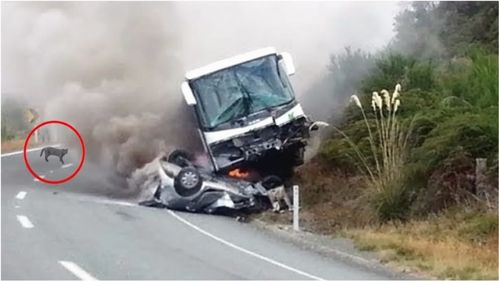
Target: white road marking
112	202
24	221
124	203
17	207
42	176
21	195
51	171
77	271
67	165
105	201
340	253
27	150
269	260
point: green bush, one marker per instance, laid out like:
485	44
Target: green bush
422	127
449	81
470	131
339	153
392	202
389	70
421	76
473	78
481	87
13	119
418	102
347	70
6	134
479	226
452	118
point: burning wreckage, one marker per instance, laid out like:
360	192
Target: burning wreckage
253	130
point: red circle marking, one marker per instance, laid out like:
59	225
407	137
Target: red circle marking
75	172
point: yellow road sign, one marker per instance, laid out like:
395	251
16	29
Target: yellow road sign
31	115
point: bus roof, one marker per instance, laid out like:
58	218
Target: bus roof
226	63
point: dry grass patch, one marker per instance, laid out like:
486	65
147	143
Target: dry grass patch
330	199
448	246
17	144
12	145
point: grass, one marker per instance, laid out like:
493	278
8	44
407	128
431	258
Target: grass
388	144
450	245
458	243
330	199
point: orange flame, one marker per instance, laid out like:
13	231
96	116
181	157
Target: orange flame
237	173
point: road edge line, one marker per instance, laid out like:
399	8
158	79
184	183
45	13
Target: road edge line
27	150
227	243
76	270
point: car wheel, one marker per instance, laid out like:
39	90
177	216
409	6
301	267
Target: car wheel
180	158
270	182
260	204
188	182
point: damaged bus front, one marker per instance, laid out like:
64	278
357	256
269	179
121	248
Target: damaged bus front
247	113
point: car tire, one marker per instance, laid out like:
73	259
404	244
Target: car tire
180	158
270	182
261	204
188	182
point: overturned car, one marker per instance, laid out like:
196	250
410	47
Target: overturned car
187	187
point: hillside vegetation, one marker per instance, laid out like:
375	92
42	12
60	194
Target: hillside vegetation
15	127
409	185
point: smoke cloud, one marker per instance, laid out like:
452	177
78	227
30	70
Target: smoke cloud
113	69
110	69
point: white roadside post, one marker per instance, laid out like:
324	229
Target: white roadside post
36	136
296	208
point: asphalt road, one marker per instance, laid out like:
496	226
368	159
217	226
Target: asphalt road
59	232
